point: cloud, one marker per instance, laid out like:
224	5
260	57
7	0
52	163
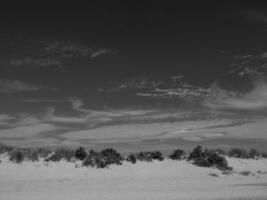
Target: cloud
50	116
256	99
27	131
100	52
66	49
36	62
264	55
78	105
51	53
10	86
4	119
44	100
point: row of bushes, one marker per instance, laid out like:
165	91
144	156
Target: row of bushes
106	157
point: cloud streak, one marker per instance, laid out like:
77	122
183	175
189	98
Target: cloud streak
36	62
52	53
256	99
10	86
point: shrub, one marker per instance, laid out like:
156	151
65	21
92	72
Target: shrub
149	156
206	158
216	160
196	154
214	174
17	156
80	153
254	154
261	172
60	154
88	161
246	173
94	161
103	159
111	153
43	152
111	156
238	153
5	148
131	158
227	172
143	156
157	155
92	152
264	155
31	155
178	154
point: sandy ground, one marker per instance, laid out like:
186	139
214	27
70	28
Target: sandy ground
157	180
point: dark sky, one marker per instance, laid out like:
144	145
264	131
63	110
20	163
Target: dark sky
91	43
149	35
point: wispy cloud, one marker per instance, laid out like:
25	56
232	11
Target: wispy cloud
4	119
9	86
27	131
67	49
100	52
52	53
51	117
110	125
256	99
78	105
36	62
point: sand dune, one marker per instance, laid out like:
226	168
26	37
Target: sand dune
156	180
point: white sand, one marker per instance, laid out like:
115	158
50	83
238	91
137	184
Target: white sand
157	180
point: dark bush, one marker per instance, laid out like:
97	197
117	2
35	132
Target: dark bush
95	160
216	160
111	156
43	152
89	161
103	159
213	174
238	153
5	148
206	158
157	155
196	154
254	154
178	154
80	153
145	156
31	155
246	173
264	155
131	158
92	152
60	154
111	153
17	156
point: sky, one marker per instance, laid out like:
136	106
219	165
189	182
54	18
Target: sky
133	74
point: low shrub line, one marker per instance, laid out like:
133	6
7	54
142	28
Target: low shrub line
198	156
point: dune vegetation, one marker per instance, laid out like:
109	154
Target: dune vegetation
199	156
